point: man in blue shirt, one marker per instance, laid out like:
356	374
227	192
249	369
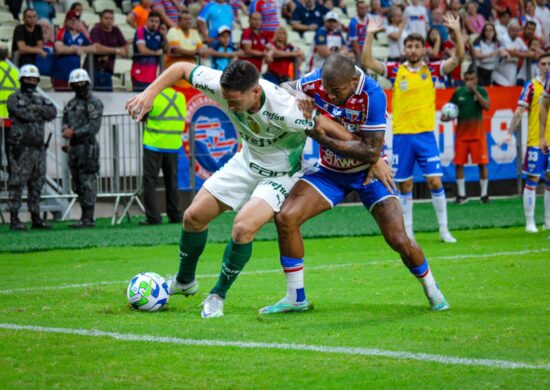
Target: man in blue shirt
213	16
308	17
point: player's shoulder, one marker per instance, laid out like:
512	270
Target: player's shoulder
311	77
275	96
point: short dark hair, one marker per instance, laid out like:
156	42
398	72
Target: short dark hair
530	23
153	14
239	76
470	71
544	55
106	11
183	12
414	37
28	10
74	5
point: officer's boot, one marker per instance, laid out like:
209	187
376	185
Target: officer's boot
16	223
87	219
38	222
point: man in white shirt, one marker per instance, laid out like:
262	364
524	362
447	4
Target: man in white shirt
416	16
543	14
506	71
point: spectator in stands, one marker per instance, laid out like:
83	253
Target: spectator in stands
69	46
221	52
81	26
28	40
270	18
515	7
239	5
185	44
328	40
149	43
528	33
308	16
485	9
470	136
528	68
416	17
530	16
357	30
376	11
486	52
254	43
434	46
474	21
506	71
214	15
44	9
169	11
286	59
456	10
138	17
501	25
109	43
543	13
45	64
15	7
438	23
396	34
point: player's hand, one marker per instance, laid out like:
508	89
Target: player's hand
305	104
375	25
543	145
381	171
451	22
506	140
140	105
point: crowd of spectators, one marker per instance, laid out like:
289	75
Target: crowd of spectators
504	38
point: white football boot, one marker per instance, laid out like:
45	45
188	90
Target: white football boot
212	306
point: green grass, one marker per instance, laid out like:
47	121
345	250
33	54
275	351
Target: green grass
500	310
339	222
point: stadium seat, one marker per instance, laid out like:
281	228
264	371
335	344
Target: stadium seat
126	6
100	5
6	17
309	36
382	39
293	36
6	33
128	32
122	80
245	23
120	19
380	52
89	18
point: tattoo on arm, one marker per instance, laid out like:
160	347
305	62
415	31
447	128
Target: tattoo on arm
366	149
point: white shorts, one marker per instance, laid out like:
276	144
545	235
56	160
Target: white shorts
235	183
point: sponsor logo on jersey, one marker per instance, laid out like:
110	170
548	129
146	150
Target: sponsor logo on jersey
273	116
204	87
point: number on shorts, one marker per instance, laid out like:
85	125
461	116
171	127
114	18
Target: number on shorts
532	156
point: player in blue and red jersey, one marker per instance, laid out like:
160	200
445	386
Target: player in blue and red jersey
344	93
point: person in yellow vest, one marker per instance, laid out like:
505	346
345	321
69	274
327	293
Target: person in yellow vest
9	83
162	142
536	161
413	107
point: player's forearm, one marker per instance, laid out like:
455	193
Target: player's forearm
543	115
484	103
514	123
367	61
175	73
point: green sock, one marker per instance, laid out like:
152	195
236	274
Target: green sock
234	259
191	247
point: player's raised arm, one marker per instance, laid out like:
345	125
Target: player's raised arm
543	115
367	60
453	23
142	103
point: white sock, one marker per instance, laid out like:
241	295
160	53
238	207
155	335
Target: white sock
406	201
294	273
461	187
529	201
547	205
440	205
484	184
427	280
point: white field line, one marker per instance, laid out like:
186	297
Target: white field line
401	355
270	271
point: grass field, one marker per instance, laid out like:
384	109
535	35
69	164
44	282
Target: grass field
65	322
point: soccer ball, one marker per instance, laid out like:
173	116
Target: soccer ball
147	291
449	112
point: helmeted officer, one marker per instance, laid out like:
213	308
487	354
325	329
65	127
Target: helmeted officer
81	123
29	112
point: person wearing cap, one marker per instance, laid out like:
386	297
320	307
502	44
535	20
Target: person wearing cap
28	41
185	44
221	51
308	17
328	40
81	123
29	111
69	46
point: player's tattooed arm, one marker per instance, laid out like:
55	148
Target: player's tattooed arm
514	125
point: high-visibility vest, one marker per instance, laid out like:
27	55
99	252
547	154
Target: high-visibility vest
165	122
9	83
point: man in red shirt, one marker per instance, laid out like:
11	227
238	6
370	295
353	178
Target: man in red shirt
253	43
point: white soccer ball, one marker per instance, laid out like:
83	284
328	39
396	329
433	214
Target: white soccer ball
449	112
147	291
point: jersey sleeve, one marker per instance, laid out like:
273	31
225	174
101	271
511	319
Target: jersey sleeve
140	36
390	70
352	34
376	112
526	97
320	37
454	98
207	81
245	38
307	81
436	69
